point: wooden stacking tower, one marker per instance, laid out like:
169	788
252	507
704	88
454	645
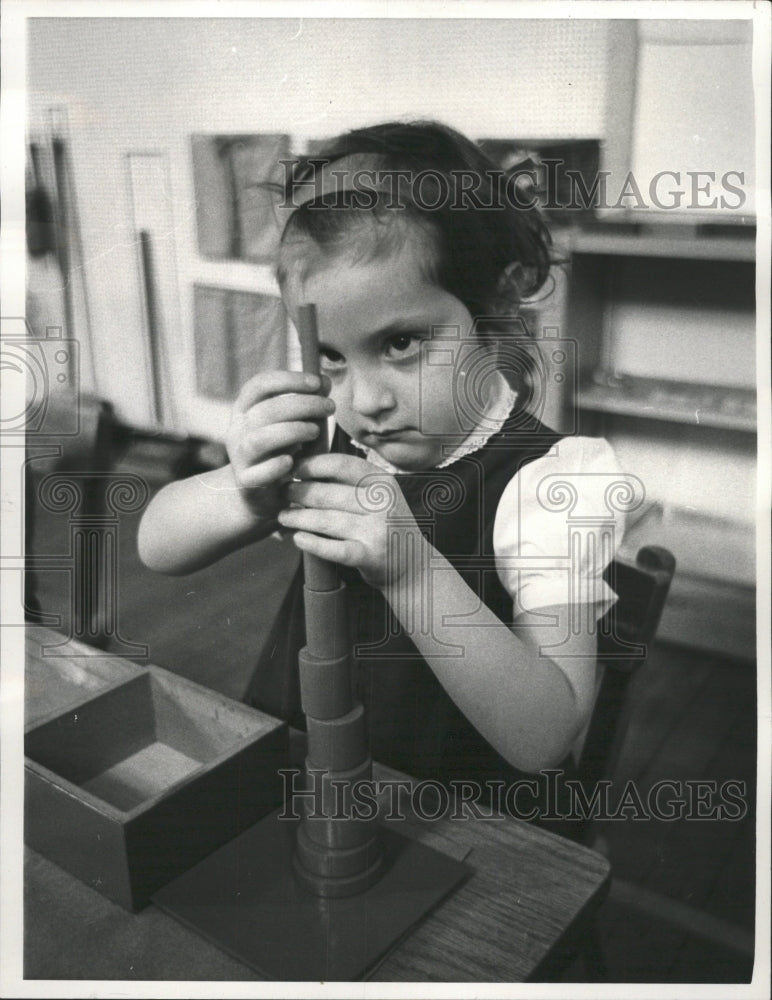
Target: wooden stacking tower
358	888
337	854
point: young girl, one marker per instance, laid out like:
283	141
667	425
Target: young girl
474	639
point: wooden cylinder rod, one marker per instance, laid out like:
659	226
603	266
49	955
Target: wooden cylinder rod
319	573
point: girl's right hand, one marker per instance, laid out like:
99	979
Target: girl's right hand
275	414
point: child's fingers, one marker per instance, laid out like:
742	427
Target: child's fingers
257	445
267	384
266	473
331	496
331	523
341	468
290	406
345	553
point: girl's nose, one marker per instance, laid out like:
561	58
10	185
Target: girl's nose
370	395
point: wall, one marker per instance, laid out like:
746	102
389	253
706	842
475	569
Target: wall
145	85
705	122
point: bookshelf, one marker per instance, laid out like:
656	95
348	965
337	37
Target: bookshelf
667	241
693	404
664	321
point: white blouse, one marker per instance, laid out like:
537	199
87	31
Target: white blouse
554	534
558	524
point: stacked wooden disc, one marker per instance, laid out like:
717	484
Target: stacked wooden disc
338	852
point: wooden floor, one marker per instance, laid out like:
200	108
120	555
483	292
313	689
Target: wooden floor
681	906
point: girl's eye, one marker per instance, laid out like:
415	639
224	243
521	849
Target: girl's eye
331	360
402	345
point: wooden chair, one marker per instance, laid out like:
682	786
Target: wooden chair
625	635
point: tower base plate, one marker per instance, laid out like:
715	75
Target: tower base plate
246	899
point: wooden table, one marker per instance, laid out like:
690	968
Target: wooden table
530	893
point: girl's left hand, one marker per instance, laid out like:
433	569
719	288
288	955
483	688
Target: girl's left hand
346	511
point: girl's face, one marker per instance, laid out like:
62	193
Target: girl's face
375	320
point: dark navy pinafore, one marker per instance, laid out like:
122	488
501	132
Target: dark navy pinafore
414	725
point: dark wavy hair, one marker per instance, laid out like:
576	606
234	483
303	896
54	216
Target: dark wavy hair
488	252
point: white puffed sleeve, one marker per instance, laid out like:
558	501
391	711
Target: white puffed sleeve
559	524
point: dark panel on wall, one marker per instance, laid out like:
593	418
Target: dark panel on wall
235	211
237	334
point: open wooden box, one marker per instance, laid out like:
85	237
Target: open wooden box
137	782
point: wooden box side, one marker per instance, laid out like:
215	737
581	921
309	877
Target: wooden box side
80	742
72	833
201	815
57	678
201	722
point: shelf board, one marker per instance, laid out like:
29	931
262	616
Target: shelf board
670	243
722	407
707	546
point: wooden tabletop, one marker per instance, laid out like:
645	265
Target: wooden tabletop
529	892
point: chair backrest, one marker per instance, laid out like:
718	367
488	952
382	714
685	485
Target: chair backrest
623	644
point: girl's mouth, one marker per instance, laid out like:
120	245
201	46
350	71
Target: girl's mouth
387	434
